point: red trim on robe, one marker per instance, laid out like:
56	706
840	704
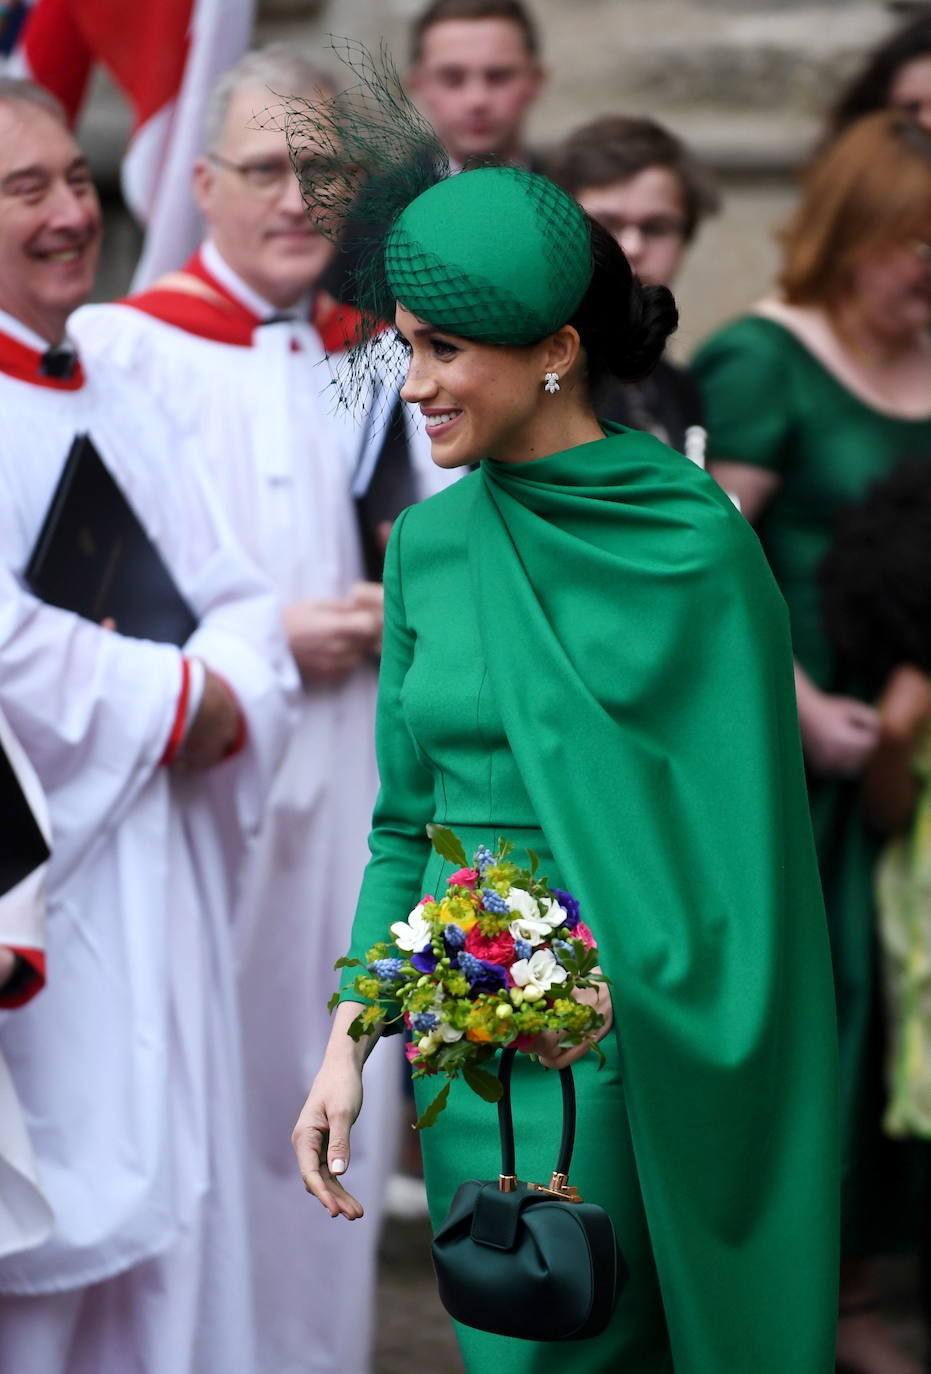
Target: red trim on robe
33	983
224	319
177	726
22	362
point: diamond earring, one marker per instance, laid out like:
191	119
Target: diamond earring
551	382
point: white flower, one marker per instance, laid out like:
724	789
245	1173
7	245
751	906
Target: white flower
413	933
441	1034
538	973
553	914
522	904
533	931
527	924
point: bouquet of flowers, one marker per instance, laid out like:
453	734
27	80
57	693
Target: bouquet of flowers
491	963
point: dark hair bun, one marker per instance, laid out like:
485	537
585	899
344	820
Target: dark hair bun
653	317
623	325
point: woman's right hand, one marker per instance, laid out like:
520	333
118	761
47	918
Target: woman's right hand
321	1135
838	733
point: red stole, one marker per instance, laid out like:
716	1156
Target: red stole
195	301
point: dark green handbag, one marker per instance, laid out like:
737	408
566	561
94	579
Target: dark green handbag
524	1259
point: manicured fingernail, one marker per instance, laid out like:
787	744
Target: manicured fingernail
338	1166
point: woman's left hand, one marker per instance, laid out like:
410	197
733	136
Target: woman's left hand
549	1047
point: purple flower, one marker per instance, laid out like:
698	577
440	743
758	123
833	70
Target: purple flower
569	905
424	960
386	970
483	858
423	1022
482	975
492	902
453	938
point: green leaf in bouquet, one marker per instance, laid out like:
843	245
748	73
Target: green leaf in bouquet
346	962
447	845
487	1085
430	1114
357	1028
333	1002
534	860
599	1054
504	847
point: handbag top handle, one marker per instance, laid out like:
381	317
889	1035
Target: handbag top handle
508	1178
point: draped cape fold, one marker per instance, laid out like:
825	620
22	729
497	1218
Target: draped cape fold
639	653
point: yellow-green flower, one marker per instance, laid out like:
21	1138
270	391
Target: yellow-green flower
457	911
500	876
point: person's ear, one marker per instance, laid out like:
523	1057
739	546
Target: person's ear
539	77
412	80
561	350
203	179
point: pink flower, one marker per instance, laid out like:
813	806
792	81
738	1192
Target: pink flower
496	949
463	877
583	933
425	899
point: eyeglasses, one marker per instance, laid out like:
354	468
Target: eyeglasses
270	176
655	227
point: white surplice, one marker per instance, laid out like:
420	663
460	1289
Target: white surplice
262	413
25	1216
128	1064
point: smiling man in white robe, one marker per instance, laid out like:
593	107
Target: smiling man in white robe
155	761
234	346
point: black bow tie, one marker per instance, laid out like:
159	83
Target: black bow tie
278	318
59	363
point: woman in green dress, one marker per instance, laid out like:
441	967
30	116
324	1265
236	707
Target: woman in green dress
585	652
810	398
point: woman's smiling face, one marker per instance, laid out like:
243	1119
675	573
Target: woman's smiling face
477	400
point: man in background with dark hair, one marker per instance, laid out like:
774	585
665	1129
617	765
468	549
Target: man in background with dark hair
475	71
648	190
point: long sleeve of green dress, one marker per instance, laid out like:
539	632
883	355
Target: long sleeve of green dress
588	654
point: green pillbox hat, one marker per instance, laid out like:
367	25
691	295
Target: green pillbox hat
498	255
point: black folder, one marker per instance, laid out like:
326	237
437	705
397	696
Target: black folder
94	557
22	844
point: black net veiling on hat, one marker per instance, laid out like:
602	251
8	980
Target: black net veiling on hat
363	157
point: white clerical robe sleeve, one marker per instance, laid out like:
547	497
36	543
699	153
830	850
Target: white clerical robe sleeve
93	709
240	636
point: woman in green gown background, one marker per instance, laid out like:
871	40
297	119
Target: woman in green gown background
810	398
585	652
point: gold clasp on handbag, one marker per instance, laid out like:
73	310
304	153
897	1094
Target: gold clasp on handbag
558	1186
507	1183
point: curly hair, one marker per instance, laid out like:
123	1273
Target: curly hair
876	579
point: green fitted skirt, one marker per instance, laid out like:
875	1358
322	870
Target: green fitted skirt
464	1144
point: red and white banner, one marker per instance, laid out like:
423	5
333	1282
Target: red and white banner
164	55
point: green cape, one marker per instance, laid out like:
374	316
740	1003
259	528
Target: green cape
659	743
638	656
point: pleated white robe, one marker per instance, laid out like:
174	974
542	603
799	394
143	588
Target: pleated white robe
128	1065
264	420
25	1216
